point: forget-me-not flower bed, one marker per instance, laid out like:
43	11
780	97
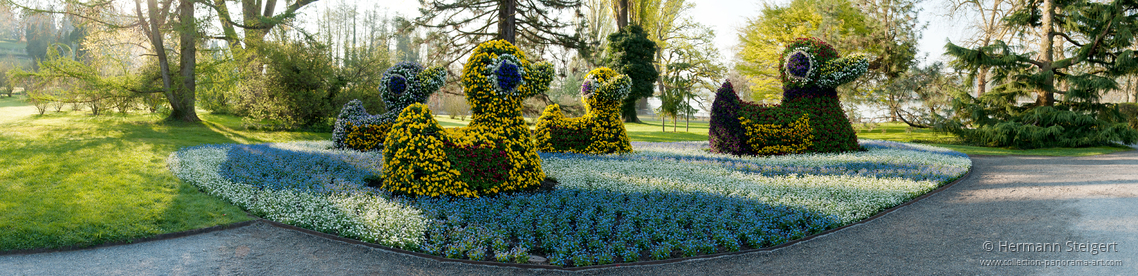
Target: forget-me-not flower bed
662	201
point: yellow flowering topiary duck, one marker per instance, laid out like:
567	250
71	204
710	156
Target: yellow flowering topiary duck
493	154
600	131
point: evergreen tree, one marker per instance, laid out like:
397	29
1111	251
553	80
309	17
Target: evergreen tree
463	24
1083	46
632	53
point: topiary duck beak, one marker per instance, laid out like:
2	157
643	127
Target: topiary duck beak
537	80
843	70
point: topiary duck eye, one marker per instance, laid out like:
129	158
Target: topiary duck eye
397	84
799	64
508	75
588	88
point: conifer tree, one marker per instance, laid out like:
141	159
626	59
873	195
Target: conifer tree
632	53
466	23
1082	47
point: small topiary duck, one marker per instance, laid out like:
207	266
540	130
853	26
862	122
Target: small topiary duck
600	131
810	118
495	153
401	85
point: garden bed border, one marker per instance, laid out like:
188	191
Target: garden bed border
256	219
643	263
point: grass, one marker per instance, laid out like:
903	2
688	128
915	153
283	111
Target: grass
902	133
649	131
75	180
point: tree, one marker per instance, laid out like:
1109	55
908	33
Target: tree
632	53
1101	34
258	17
1101	39
463	24
40	32
922	96
594	29
989	27
156	21
765	36
692	65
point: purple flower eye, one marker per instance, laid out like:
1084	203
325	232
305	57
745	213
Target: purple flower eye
588	88
798	65
397	84
508	76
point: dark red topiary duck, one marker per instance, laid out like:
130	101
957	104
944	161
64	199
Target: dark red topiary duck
810	118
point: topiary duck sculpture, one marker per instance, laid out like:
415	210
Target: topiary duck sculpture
493	154
601	130
401	85
810	118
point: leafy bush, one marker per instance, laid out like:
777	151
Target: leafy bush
456	107
600	131
995	123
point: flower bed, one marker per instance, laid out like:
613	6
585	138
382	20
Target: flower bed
607	208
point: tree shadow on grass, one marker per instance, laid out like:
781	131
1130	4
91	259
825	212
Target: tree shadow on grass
84	181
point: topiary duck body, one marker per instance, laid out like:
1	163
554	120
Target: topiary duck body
600	130
810	118
493	154
401	85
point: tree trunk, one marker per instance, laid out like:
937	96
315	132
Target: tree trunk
255	37
184	95
981	81
621	10
1045	95
628	110
506	23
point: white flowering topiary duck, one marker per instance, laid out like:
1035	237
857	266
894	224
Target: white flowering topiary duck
401	85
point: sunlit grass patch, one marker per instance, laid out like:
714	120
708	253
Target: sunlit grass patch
70	179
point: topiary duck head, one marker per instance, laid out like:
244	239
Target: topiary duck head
407	83
810	62
604	90
498	77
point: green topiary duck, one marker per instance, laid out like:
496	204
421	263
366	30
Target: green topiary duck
810	118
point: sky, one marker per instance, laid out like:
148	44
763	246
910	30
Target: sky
726	17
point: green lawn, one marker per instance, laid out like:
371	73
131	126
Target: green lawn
75	180
649	131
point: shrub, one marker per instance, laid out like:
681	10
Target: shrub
997	125
600	131
456	107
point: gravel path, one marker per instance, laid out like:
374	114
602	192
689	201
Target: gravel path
1006	199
